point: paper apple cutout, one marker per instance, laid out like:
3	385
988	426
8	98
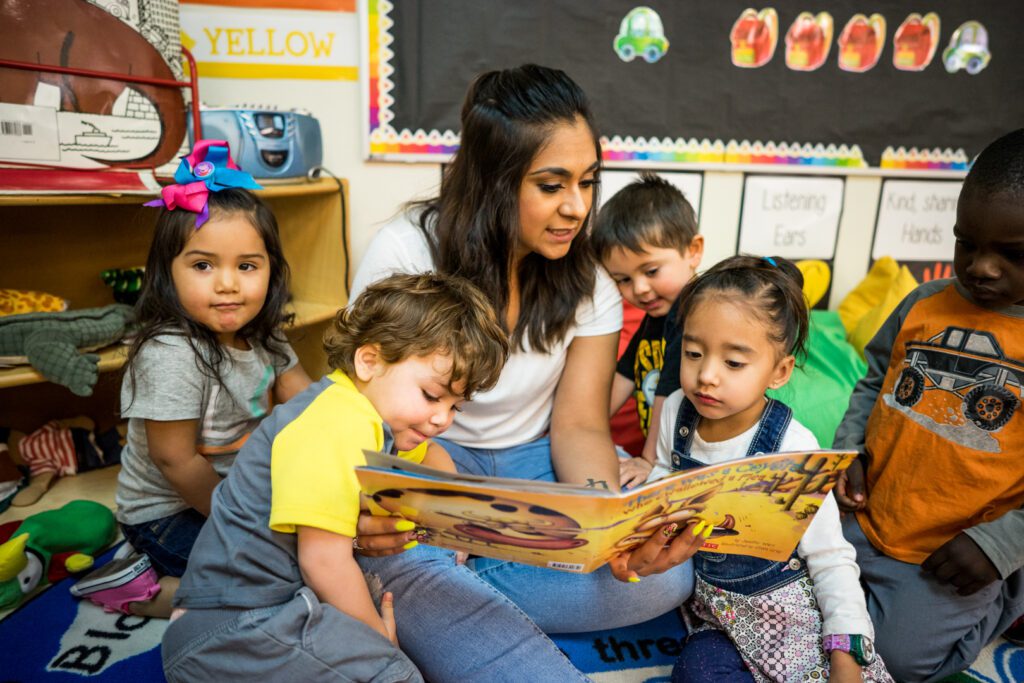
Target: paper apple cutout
915	42
861	43
808	41
754	37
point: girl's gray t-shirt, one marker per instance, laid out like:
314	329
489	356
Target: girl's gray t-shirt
169	385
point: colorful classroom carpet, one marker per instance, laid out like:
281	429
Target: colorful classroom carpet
54	637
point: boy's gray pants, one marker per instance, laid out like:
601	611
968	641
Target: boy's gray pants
301	640
924	630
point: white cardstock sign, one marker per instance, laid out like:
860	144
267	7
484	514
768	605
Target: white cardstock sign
689	184
916	219
790	216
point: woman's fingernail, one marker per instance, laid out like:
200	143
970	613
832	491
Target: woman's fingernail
708	530
697	528
405	525
410	545
669	530
634	579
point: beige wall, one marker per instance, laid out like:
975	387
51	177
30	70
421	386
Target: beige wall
376	189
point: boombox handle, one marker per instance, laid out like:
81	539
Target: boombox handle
192	83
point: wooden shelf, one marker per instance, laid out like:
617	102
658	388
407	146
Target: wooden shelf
113	357
60	244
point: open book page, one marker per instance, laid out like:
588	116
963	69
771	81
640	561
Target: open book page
759	506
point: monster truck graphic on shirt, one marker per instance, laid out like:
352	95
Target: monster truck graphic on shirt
967	363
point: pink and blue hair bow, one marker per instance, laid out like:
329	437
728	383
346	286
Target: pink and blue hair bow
209	168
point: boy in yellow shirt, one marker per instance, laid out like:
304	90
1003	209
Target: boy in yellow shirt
273	590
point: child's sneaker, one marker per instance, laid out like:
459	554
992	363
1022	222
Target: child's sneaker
124	550
1015	634
118	583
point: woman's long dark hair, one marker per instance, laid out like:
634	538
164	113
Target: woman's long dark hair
159	311
472	227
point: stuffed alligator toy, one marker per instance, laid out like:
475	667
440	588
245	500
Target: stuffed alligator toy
51	342
82	528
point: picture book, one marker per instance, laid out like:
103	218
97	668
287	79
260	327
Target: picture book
759	506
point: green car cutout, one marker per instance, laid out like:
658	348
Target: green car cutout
641	33
968	49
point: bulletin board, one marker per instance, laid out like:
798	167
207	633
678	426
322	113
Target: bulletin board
888	89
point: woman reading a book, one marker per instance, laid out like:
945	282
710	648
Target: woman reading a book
512	216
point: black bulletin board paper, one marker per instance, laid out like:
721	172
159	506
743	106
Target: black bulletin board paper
695	91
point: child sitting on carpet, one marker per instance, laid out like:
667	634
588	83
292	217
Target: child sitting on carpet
646	237
273	590
743	322
208	351
938	488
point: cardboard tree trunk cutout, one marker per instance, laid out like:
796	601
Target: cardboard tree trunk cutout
83	122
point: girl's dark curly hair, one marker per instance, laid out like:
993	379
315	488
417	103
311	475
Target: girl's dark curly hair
159	311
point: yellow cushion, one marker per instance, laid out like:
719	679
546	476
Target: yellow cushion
866	307
816	279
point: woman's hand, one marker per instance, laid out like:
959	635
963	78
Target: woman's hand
633	472
382	536
387	613
658	553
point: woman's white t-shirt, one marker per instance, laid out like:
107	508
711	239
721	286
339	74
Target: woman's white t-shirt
518	409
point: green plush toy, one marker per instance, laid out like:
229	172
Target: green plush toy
81	527
50	342
126	283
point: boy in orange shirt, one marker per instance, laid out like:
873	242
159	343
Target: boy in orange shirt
939	529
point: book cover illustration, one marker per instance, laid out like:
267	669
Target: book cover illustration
759	506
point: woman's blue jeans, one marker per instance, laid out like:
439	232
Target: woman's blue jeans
488	624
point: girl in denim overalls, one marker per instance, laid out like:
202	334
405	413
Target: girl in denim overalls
744	321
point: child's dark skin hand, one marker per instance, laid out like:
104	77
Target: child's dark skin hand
963	564
851	489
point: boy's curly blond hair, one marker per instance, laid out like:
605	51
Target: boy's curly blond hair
417	315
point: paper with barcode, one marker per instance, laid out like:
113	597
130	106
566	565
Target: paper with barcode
28	133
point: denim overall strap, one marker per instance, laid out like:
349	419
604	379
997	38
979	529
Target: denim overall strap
741	573
767	439
682	437
771	429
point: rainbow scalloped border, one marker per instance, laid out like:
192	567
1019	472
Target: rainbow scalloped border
387	144
915	159
384	141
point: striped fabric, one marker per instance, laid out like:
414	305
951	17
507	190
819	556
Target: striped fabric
50	449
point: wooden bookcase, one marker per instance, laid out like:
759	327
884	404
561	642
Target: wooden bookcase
61	243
